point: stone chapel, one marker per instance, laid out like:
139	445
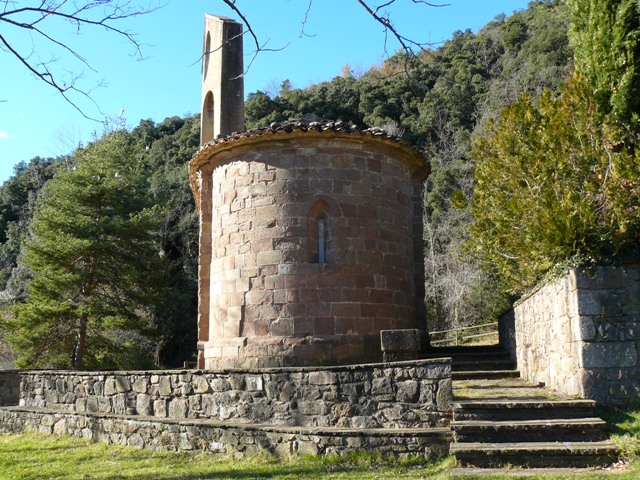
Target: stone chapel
310	231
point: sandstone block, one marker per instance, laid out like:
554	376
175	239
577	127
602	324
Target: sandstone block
322	378
164	386
144	405
200	384
140	385
254	383
400	341
584	329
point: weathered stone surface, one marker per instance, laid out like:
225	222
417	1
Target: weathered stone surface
408	391
178	408
144	405
300	396
322	378
400	341
262	277
579	335
110	386
609	354
164	386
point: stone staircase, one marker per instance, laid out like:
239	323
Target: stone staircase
500	421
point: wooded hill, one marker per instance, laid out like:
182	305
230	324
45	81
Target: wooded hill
441	100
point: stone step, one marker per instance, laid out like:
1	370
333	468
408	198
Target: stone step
482	374
229	437
481	364
463	349
548	430
509	409
470	354
488	384
514	473
535	454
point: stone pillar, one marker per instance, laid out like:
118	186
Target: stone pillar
222	79
400	345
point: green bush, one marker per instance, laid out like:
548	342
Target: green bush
551	185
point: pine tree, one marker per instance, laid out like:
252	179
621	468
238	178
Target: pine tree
97	273
606	38
559	183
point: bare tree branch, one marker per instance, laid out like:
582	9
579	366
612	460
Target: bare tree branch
381	13
39	18
384	18
249	29
305	20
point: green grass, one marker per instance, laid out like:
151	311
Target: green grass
34	456
625	432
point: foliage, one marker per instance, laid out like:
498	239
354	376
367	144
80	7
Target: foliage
168	148
95	265
560	180
161	152
17	200
624	425
440	100
606	39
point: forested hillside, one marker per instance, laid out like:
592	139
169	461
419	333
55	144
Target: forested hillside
160	153
441	101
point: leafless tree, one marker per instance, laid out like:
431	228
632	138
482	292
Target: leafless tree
380	11
40	21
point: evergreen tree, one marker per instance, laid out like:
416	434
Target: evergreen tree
559	183
606	38
95	266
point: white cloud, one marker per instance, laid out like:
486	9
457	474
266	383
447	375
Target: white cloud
4	135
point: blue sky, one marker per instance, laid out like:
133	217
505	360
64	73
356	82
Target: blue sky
35	120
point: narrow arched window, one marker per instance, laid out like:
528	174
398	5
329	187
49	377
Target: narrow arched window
207	120
207	54
322	240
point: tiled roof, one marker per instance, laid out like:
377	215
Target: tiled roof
314	127
305	126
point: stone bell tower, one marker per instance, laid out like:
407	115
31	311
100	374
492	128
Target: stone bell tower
222	79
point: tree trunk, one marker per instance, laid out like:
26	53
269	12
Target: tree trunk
78	353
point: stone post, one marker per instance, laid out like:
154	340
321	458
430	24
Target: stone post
400	345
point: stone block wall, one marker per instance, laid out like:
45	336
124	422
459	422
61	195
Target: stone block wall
397	395
269	298
228	438
9	387
581	334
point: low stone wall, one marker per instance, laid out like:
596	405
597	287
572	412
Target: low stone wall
396	395
207	435
9	387
581	334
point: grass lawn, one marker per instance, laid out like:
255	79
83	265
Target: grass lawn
34	456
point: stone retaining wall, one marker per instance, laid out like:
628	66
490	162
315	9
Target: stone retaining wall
581	334
397	395
9	387
230	438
